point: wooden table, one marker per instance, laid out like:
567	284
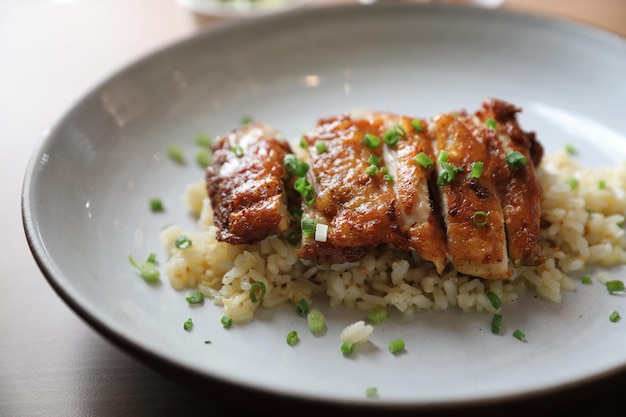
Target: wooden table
51	362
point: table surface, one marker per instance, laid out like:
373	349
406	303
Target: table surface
52	363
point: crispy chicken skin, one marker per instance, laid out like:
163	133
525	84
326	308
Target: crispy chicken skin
520	191
245	183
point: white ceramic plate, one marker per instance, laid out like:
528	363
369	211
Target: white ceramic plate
241	8
87	187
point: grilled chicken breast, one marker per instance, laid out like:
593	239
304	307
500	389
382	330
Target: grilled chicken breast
246	184
458	189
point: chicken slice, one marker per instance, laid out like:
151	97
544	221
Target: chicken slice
419	218
245	183
472	211
520	191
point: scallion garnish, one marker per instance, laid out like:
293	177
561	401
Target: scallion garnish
480	218
246	120
572	182
304	187
519	335
614	317
477	170
371	141
226	322
237	150
392	136
384	170
302	308
182	242
204	140
347	348
292	338
417	125
308	227
424	160
371	392
585	279
570	149
147	270
374	160
396	346
443	156
194	297
156	204
293	166
494	300
203	157
371	170
151	258
293	238
388	177
257	291
303	143
448	173
321	232
491	123
615	285
496	323
316	321
516	160
175	153
321	147
601	185
377	315
188	324
207	342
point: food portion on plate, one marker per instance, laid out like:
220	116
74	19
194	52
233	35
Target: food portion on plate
383	209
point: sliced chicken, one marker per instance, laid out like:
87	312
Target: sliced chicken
246	184
473	215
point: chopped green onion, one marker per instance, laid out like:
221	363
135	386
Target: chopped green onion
388	177
371	392
615	285
601	185
151	258
477	170
347	348
384	170
302	307
494	299
570	149
303	143
203	157
308	227
491	123
293	238
321	147
448	173
392	136
237	150
194	297
204	140
188	324
585	279
443	156
496	323
374	160
226	322
176	154
614	317
519	335
182	242
396	346
516	160
293	166
572	182
257	291
371	141
371	170
147	270
377	315
417	125
480	218
297	212
246	120
304	187
207	342
424	160
156	204
292	338
316	321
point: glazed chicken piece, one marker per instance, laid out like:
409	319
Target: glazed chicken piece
369	189
245	183
520	191
473	215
